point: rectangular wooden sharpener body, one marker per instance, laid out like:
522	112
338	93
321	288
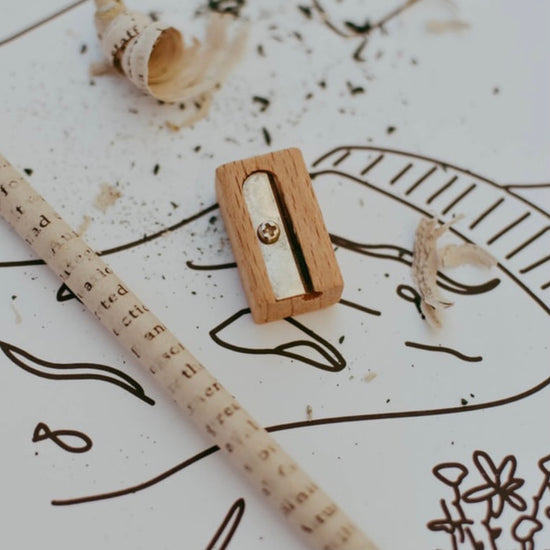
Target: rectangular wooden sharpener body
303	235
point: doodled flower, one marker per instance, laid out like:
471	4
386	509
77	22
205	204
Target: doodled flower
525	528
544	464
500	484
450	473
450	525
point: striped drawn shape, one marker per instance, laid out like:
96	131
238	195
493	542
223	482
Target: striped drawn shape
497	217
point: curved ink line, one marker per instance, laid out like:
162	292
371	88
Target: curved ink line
361	30
414	297
41	22
306	424
237	510
444	281
537	498
191	265
520	283
126	246
160	233
360	307
436	470
443	165
320	345
468	290
394	252
64	294
42	431
425	347
22	263
141	486
509	186
127	383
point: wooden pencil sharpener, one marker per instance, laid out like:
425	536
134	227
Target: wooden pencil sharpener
282	248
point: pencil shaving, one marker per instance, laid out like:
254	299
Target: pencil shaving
424	268
108	195
454	255
427	259
155	58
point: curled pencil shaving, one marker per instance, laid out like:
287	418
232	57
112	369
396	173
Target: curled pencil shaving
453	255
155	58
427	259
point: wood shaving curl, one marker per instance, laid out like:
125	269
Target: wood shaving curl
454	255
427	259
154	57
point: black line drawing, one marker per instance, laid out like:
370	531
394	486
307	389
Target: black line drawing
126	246
230	523
501	191
410	294
498	491
73	371
81	443
404	256
64	293
478	189
360	307
376	157
192	265
528	525
41	22
396	254
328	358
351	29
443	349
466	409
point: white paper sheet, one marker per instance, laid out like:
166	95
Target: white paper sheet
429	439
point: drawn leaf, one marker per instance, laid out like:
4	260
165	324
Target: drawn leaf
516	501
315	350
73	371
485	466
479	494
507	468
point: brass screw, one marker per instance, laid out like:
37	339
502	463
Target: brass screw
268	232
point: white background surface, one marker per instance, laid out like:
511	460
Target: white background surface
438	91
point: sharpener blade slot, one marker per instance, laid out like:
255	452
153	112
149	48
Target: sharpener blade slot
287	273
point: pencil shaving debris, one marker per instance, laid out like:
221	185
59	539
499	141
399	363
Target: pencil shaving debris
18	317
155	58
83	227
107	197
450	25
369	377
427	259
